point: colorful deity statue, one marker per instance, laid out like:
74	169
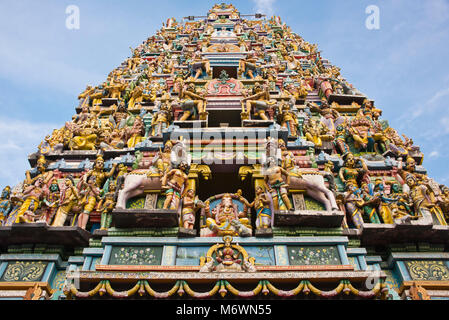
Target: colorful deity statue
192	103
68	199
360	130
161	120
421	198
98	173
51	201
288	119
259	102
354	202
190	203
5	203
317	133
46	176
175	183
262	205
106	205
135	133
349	172
248	66
200	65
276	185
89	193
33	195
226	219
371	200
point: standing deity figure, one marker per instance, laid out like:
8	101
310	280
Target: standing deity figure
90	193
190	203
276	185
161	120
354	202
259	101
51	201
68	199
192	103
349	172
371	202
106	205
98	173
262	205
175	183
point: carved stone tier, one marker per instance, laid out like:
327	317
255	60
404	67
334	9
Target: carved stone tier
308	218
326	274
41	233
145	218
385	234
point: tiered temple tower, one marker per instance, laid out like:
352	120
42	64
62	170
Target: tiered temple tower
226	157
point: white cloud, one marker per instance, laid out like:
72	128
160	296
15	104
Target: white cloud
18	139
434	154
265	6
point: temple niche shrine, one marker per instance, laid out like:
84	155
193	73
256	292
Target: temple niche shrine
226	158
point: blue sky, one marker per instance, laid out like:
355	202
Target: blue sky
44	66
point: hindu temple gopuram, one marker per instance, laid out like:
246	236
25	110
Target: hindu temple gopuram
226	158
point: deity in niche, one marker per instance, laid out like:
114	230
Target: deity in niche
225	218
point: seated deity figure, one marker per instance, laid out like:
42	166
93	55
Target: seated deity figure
32	195
259	101
395	143
226	219
316	132
422	199
192	103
